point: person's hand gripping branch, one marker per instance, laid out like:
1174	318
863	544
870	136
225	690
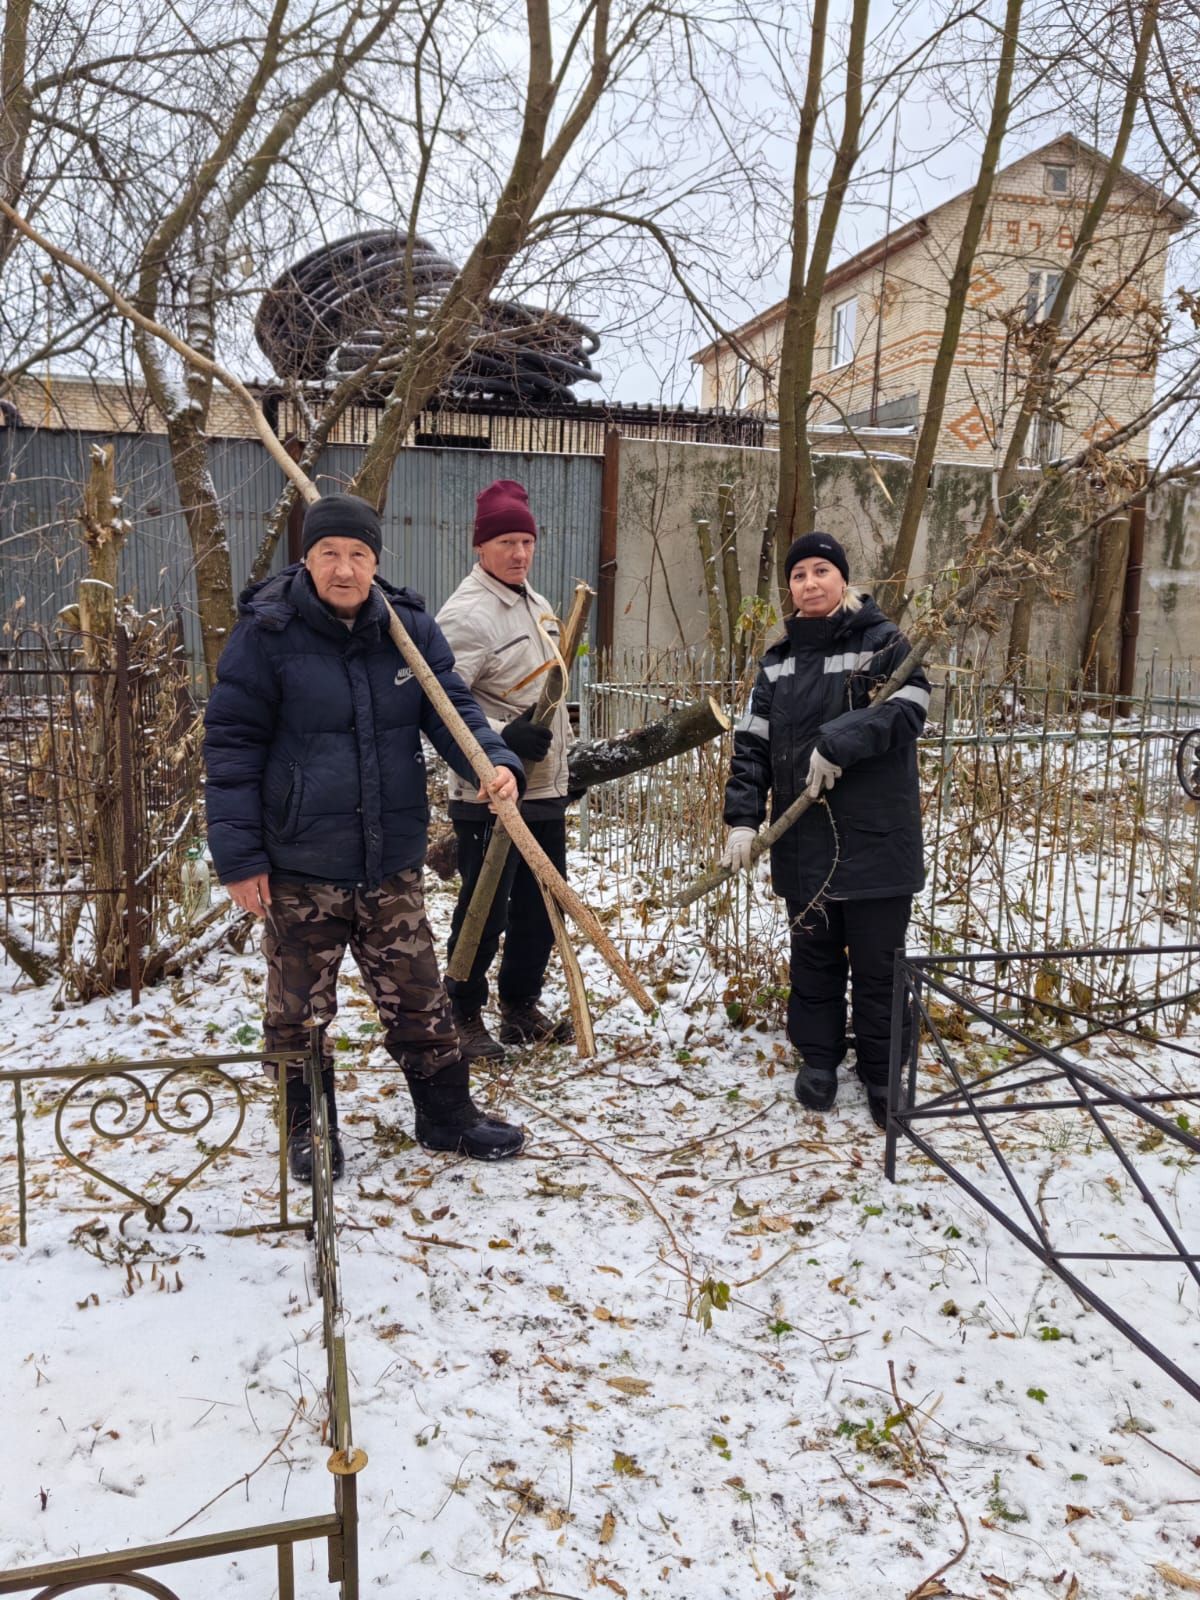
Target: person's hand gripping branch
822	774
737	848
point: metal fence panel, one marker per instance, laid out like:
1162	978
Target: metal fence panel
427	521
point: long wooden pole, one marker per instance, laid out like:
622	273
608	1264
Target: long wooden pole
509	812
496	857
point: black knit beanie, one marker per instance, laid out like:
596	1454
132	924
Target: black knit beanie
810	545
342	516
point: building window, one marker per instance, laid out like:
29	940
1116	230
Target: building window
1057	179
1045	439
1039	297
842	340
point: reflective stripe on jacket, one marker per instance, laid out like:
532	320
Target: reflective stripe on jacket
814	687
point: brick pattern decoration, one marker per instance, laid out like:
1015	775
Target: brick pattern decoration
1110	376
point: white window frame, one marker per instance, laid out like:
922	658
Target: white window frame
1048	171
1045	439
842	329
1039	296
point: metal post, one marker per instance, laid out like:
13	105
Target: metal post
281	1077
899	995
22	1217
286	1573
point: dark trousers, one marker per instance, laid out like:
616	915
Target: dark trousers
518	912
309	927
840	937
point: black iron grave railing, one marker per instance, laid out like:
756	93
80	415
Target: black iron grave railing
199	1098
1005	1052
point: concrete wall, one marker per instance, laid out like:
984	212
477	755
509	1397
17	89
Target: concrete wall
660	596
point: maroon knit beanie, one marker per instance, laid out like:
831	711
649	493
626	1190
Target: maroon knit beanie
503	507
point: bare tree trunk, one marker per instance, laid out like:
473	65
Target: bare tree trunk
798	359
436	346
712	596
793	397
731	577
102	541
890	595
1101	655
1045	360
15	112
206	532
102	834
1020	622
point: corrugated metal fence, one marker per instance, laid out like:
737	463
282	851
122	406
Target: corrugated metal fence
427	522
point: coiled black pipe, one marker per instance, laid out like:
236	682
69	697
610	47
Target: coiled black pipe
333	312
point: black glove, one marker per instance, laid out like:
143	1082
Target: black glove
525	739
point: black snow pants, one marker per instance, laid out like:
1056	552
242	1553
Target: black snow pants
840	937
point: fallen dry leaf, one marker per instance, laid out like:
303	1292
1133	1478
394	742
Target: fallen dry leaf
629	1385
929	1590
608	1526
1075	1512
1177	1579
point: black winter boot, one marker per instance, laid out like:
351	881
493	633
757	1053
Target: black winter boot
877	1102
816	1087
522	1022
448	1119
300	1143
475	1041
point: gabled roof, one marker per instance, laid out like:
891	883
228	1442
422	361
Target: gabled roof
910	232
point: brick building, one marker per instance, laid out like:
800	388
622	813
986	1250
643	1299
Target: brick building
882	311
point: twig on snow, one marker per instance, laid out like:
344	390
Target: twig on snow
906	1412
246	1476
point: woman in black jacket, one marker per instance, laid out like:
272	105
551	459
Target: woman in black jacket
849	867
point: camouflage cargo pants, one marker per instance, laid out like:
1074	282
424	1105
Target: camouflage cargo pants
308	929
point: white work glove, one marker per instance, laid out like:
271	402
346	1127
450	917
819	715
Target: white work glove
822	774
737	848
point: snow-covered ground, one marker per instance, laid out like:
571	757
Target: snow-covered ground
888	1378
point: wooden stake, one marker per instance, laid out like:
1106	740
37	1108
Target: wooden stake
487	884
509	812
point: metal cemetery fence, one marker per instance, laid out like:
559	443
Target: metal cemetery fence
187	1096
1050	819
1005	1060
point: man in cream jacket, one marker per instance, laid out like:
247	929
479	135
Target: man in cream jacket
505	637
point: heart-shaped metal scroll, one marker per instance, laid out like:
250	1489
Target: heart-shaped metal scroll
181	1102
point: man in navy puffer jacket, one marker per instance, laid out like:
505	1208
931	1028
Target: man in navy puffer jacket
317	816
